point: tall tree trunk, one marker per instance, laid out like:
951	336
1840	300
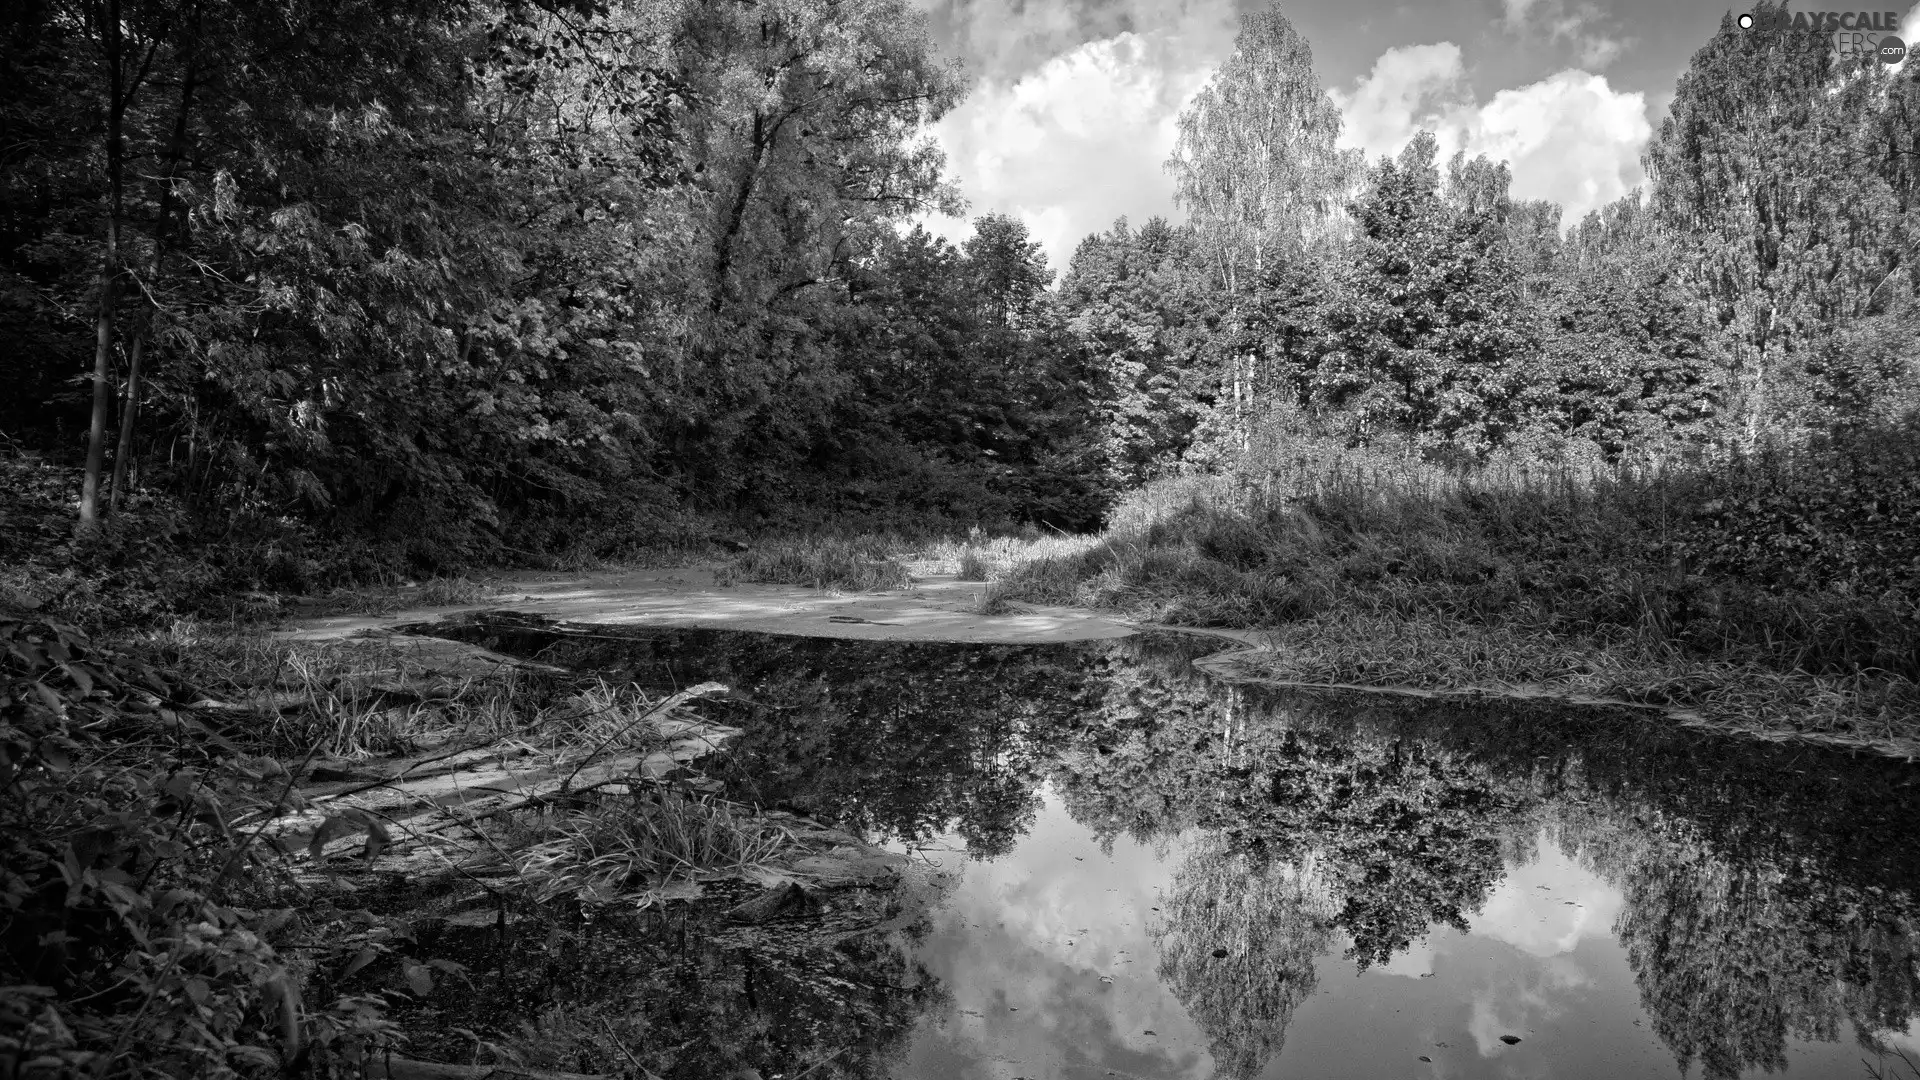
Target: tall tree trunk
129	410
737	213
102	394
110	274
130	405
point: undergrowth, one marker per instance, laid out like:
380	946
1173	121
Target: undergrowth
141	930
1778	589
151	924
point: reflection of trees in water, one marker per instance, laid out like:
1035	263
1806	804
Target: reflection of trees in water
1733	958
1408	834
909	740
1272	919
1768	891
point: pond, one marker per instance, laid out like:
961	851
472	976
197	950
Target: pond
1131	869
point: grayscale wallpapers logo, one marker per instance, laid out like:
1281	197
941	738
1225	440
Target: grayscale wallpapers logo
1855	33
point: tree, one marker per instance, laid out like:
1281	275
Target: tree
1627	359
1255	165
1138	306
1256	169
1773	164
461	278
1422	330
1008	270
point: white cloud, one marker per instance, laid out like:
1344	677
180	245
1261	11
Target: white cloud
1546	907
1081	140
1007	39
1408	88
1570	137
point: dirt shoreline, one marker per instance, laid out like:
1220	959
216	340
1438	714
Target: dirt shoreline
935	608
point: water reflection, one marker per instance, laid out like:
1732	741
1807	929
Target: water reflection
1274	884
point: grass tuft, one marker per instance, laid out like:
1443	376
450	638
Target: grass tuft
825	562
972	567
625	847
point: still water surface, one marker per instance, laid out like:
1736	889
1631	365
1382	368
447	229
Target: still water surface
1139	871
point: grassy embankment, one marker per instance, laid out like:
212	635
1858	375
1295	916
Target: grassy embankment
1776	597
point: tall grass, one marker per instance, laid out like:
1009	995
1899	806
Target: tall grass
1702	583
1650	555
385	599
852	564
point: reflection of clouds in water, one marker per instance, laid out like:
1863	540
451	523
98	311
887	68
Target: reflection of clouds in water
1907	1042
1519	1010
1027	1000
1545	907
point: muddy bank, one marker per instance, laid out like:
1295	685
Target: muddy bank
938	608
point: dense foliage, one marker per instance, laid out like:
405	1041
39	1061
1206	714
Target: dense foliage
473	279
476	281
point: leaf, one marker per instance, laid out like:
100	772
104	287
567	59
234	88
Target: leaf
257	1056
80	675
366	955
419	977
50	698
55	756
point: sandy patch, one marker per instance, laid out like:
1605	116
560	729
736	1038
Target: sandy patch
937	608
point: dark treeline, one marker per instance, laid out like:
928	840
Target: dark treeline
473	281
477	278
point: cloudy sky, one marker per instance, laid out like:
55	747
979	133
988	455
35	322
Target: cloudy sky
1073	106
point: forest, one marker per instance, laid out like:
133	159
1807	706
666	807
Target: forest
306	299
372	288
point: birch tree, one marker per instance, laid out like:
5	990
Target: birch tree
1255	165
1256	169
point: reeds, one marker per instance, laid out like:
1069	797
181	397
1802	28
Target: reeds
971	567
